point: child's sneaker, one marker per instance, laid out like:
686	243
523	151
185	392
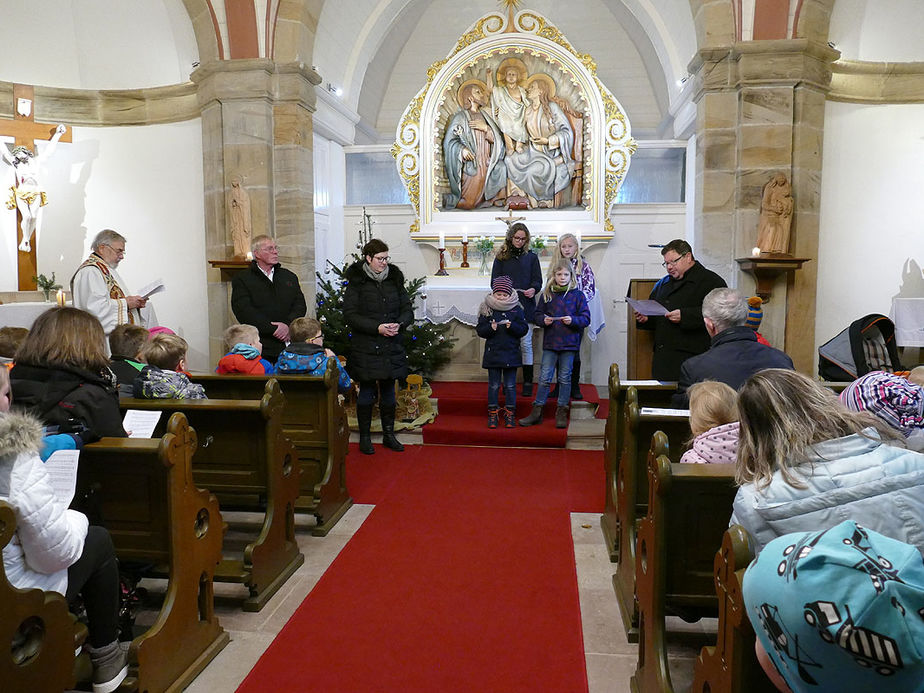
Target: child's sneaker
509	418
492	418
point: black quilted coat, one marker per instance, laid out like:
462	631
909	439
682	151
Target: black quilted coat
366	305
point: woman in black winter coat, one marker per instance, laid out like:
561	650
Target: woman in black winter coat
377	309
517	261
62	375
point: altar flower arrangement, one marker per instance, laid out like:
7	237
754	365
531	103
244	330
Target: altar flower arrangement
539	243
485	244
46	285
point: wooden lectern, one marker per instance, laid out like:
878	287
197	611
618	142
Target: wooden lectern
640	347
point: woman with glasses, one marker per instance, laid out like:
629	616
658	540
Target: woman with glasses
518	262
377	310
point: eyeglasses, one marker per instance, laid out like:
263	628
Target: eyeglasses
519	238
381	259
268	249
117	251
320	336
671	263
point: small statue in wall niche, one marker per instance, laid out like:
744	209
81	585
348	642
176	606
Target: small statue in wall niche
776	206
241	223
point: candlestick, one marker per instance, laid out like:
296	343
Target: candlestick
441	272
60	297
464	252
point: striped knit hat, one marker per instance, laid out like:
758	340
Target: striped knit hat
892	398
502	283
755	312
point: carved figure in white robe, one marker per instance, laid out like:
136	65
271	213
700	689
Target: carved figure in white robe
27	194
544	169
473	152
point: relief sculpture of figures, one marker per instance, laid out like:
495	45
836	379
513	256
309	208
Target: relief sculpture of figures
27	194
512	143
776	207
241	224
473	152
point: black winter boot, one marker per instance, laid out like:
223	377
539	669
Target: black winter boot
576	381
364	417
492	417
387	412
527	381
561	417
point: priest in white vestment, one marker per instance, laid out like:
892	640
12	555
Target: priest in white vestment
98	289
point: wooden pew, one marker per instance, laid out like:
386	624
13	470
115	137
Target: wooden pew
142	491
38	635
689	506
247	462
649	395
632	492
315	421
731	666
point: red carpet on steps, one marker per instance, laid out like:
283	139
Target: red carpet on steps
461	579
463	419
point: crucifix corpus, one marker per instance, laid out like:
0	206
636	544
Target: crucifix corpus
510	219
26	194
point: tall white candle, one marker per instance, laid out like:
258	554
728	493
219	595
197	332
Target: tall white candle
442	240
464	236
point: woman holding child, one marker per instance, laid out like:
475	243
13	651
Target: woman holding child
377	309
807	463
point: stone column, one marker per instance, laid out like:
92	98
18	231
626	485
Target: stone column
760	111
256	123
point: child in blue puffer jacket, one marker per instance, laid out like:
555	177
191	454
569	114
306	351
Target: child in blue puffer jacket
306	354
563	313
501	324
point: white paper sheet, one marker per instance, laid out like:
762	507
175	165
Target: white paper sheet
62	470
139	423
652	411
155	287
646	306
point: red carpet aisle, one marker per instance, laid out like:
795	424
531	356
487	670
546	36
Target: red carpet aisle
463	419
461	579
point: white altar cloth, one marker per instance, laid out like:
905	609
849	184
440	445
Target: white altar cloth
22	314
449	299
908	316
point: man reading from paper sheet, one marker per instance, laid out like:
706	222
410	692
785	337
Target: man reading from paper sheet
99	290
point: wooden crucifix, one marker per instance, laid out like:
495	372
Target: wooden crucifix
25	132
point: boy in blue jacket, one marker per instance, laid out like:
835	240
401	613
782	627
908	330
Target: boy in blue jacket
306	353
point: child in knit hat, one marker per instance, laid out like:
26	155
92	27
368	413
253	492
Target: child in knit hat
838	610
755	316
501	323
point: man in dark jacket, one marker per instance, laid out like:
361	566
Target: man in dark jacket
267	296
735	354
680	334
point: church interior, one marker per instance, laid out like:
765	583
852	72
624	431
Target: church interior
314	108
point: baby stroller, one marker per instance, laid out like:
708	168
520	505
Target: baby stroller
868	344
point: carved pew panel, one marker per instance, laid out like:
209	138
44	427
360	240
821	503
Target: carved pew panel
689	506
315	421
648	395
731	666
244	458
142	491
38	635
632	492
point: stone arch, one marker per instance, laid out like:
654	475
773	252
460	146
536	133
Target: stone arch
205	27
813	20
715	23
295	30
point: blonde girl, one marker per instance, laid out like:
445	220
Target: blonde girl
714	424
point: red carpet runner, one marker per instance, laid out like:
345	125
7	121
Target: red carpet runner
463	419
461	579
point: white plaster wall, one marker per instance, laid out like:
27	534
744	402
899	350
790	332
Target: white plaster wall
878	31
97	44
146	183
871	243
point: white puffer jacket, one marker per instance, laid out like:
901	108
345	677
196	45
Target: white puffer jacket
49	537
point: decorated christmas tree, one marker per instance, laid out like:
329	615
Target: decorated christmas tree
428	346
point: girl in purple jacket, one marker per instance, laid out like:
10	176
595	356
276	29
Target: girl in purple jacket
563	313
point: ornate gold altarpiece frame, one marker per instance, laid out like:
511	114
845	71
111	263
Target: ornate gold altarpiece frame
607	141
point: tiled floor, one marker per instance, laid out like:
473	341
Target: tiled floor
610	658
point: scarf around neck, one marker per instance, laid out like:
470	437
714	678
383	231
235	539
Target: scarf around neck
492	303
376	277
